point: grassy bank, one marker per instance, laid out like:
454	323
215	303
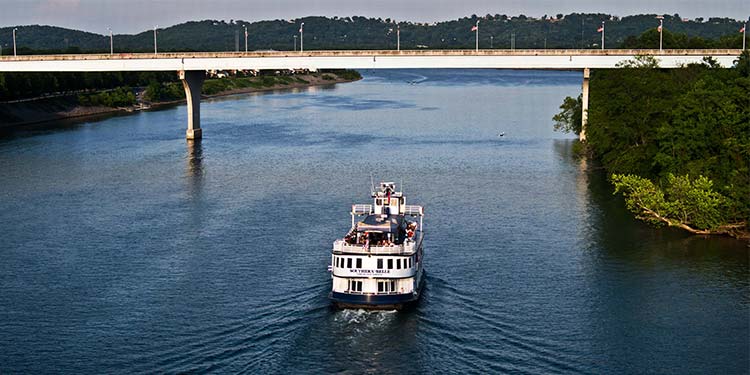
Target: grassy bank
127	99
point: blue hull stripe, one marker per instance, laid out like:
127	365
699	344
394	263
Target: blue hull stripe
364	299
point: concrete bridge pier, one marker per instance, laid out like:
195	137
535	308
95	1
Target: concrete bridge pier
584	105
192	81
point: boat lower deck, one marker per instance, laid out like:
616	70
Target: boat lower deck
394	301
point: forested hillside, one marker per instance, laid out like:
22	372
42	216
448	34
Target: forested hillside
574	30
675	141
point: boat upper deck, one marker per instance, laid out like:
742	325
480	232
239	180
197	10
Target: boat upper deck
407	247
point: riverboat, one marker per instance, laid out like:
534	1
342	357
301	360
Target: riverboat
379	263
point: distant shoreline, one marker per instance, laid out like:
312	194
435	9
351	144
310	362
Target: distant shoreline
46	110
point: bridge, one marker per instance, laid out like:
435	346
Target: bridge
191	66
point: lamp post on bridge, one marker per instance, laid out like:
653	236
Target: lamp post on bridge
601	30
295	42
245	26
111	42
155	49
476	29
660	29
14	41
492	38
398	37
302	37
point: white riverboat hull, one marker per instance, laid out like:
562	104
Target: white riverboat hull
398	301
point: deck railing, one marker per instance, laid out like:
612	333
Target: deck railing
406	248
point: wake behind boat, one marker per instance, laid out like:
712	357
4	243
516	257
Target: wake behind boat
378	264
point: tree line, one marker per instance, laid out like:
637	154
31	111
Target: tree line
676	142
14	86
574	30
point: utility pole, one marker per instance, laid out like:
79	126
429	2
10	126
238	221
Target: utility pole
302	37
155	49
111	42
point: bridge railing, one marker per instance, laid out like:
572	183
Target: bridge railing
335	53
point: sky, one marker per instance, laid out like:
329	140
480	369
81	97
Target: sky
132	16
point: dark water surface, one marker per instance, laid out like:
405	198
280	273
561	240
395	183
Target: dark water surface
124	250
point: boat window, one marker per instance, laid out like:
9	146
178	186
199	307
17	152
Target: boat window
355	286
398	263
390	264
409	262
359	262
348	262
380	264
386	286
378	202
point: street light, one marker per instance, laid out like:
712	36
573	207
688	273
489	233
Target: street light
111	42
398	37
155	50
295	42
492	38
476	29
301	37
14	41
661	29
245	37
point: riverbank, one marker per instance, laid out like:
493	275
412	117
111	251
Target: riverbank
67	107
674	142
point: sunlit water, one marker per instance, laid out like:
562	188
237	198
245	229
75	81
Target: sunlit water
126	250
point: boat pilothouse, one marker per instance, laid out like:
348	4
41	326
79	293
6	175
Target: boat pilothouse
378	264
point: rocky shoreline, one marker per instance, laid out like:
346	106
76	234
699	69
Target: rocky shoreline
67	107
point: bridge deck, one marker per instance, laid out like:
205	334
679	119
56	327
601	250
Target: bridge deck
359	59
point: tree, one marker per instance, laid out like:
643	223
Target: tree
570	119
690	204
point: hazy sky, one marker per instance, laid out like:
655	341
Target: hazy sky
130	16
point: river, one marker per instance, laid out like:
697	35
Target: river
127	250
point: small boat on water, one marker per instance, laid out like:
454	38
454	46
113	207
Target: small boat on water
378	264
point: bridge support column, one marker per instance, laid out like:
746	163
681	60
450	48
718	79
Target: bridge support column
192	81
584	105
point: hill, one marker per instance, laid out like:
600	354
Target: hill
576	30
